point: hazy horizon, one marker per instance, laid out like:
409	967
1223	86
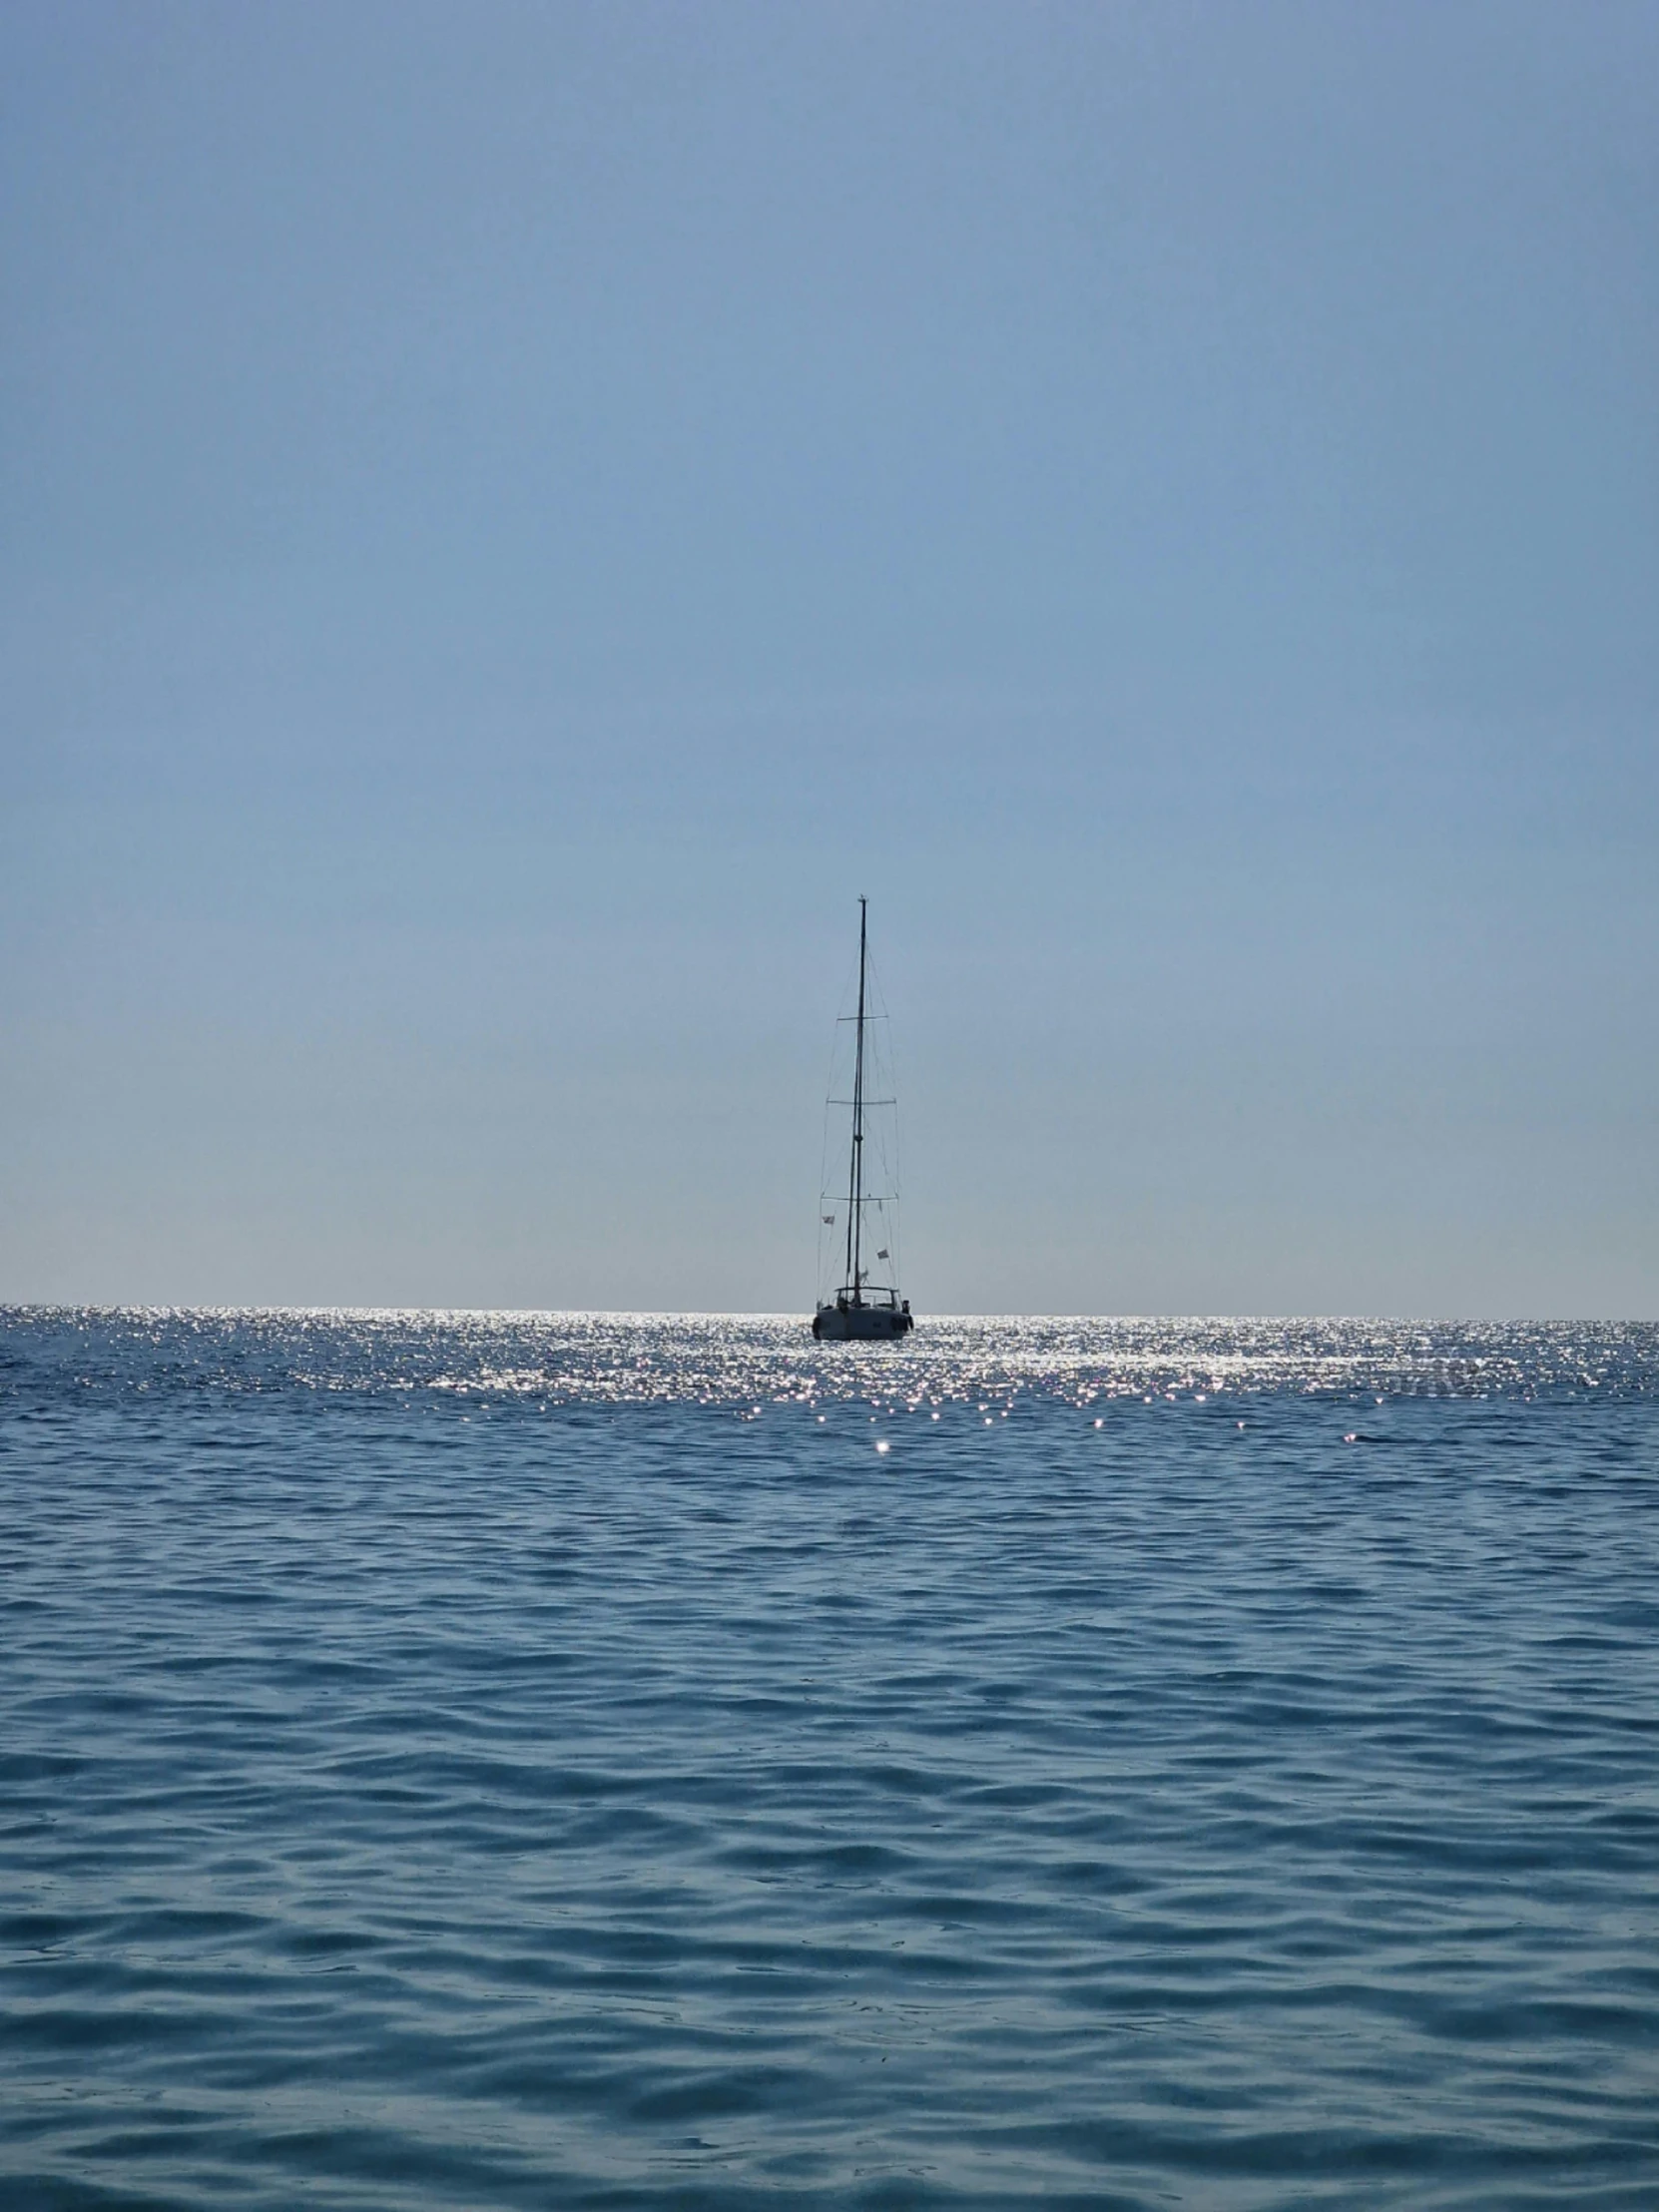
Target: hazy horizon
801	1316
516	516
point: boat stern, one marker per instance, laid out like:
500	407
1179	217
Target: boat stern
844	1322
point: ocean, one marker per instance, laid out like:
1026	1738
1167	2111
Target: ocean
570	1761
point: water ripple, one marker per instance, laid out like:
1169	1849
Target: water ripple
511	1761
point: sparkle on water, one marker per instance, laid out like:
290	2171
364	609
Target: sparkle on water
732	1360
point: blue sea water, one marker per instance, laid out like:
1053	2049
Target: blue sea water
579	1761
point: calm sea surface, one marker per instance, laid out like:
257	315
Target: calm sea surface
466	1761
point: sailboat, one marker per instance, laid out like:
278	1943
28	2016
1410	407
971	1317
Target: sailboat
861	1308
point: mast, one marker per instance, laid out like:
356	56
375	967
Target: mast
855	1184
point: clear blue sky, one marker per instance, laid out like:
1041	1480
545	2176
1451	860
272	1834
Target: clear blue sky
515	516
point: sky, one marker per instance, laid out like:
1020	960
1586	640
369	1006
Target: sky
514	516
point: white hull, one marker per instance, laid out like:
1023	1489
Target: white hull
862	1323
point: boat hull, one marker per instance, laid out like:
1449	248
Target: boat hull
861	1324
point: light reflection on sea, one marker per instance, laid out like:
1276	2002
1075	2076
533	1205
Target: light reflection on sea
728	1359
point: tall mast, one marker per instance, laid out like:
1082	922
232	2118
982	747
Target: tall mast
856	1221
